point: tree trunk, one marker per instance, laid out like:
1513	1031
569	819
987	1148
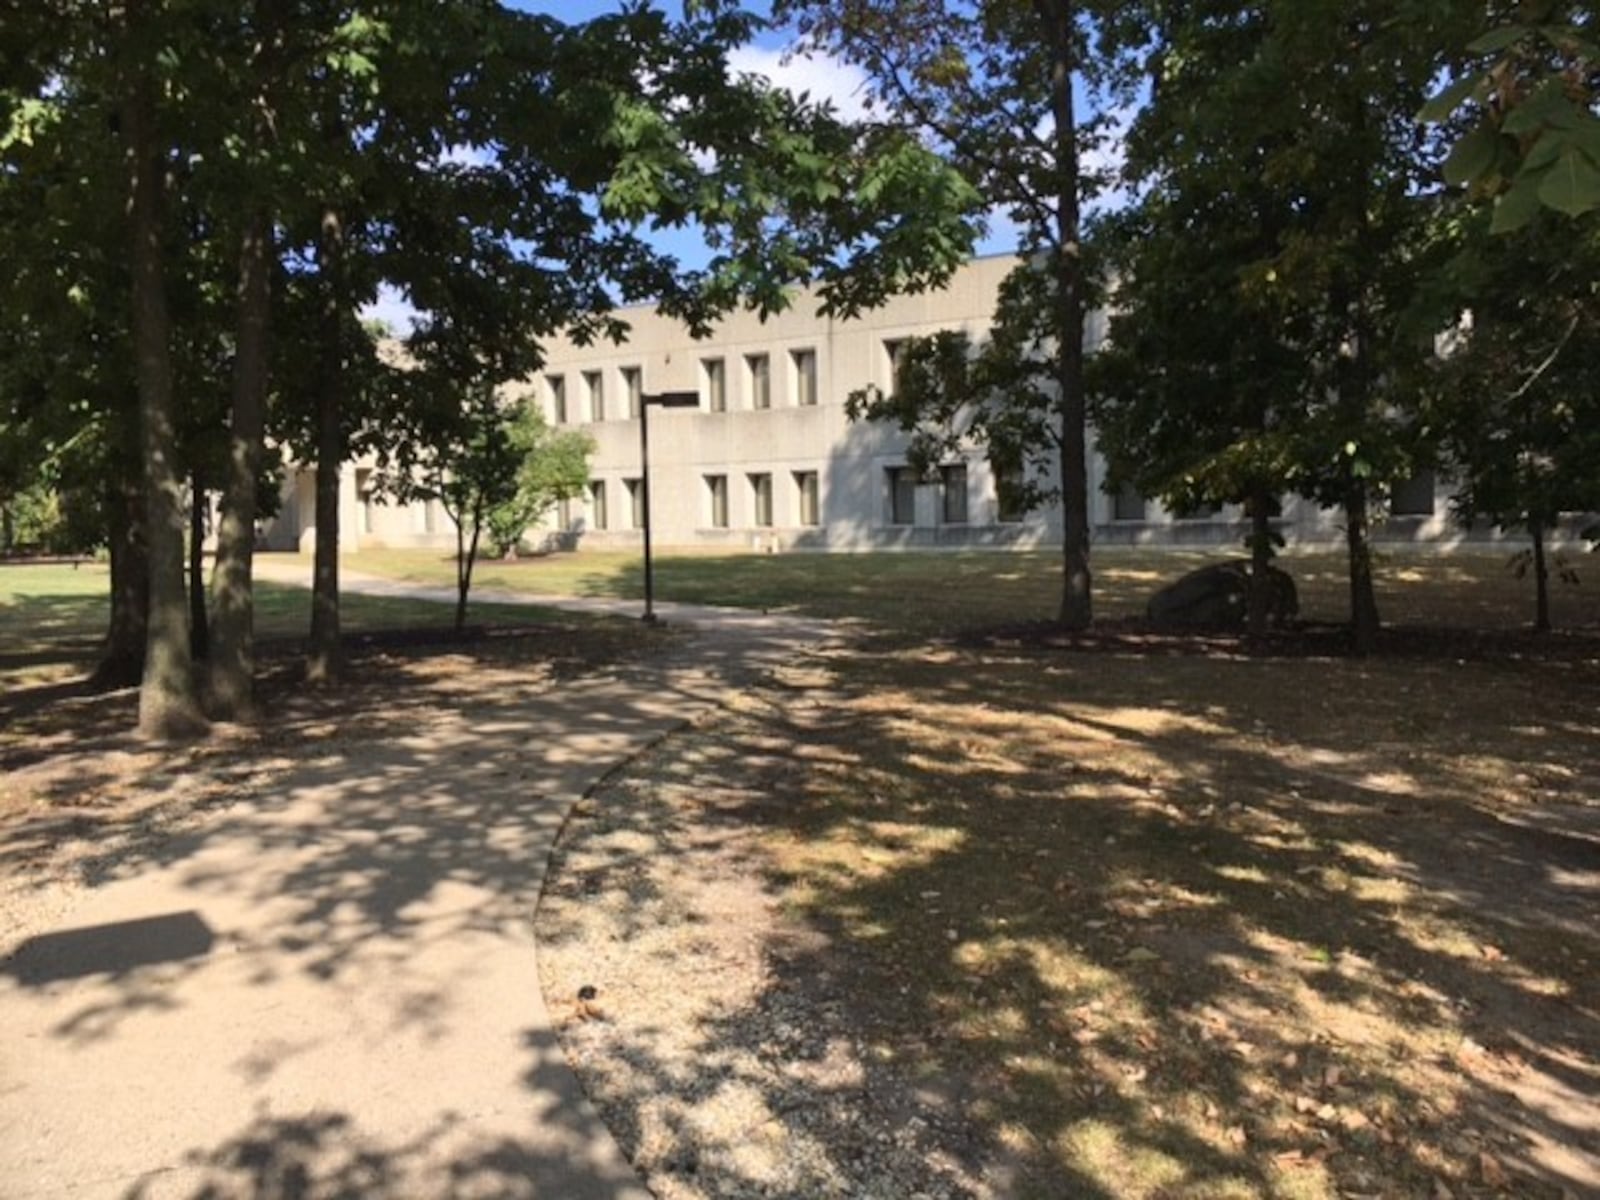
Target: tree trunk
122	657
199	630
1541	578
8	535
464	557
168	707
323	660
232	590
1260	561
1363	598
1076	607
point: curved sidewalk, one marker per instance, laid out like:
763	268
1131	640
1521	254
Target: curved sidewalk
330	988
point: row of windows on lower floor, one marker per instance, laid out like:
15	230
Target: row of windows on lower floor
952	501
804	500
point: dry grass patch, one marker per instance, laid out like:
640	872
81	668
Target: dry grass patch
1105	924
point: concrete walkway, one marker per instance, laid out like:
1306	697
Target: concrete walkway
330	989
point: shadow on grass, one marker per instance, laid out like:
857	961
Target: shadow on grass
1116	925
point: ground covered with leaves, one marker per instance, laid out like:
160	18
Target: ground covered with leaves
1119	917
81	794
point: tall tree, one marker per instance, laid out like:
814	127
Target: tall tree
1276	255
998	86
1220	381
168	704
1516	395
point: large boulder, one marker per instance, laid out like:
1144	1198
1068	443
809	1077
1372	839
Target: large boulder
1218	597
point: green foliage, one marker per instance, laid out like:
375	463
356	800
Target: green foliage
1524	99
1000	393
996	88
554	467
1517	397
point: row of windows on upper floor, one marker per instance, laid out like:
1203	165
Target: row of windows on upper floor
753	388
805	487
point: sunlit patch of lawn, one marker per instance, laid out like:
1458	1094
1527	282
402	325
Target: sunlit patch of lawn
927	593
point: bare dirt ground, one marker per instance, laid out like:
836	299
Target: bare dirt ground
1116	916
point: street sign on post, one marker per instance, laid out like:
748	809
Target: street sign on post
646	402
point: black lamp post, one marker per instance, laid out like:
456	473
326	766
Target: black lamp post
659	400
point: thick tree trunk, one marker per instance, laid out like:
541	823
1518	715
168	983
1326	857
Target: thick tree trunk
199	627
1076	602
168	707
122	657
233	660
1260	561
1363	597
1541	578
323	662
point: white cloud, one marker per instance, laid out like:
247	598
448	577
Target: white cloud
822	76
392	308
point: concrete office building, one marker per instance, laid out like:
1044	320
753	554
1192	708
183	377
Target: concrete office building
768	459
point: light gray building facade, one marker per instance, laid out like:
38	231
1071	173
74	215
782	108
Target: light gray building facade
768	460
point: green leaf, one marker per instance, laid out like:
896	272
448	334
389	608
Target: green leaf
1573	184
1500	39
1585	137
1473	157
1570	40
1541	154
1518	206
1447	101
1548	105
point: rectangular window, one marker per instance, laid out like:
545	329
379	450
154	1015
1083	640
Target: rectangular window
1413	497
633	387
717	500
1198	512
715	371
806	491
597	503
558	398
805	377
1127	504
364	494
761	498
894	352
953	481
759	368
594	386
635	501
1008	488
902	496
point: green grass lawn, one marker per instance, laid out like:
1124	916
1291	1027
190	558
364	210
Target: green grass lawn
52	617
934	593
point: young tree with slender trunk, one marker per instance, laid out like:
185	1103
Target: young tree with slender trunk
998	87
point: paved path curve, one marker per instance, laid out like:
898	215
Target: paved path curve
330	989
